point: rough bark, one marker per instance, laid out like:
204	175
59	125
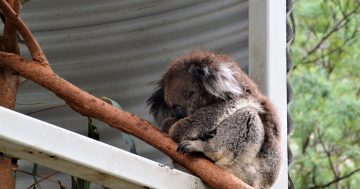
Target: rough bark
40	72
7	172
8	87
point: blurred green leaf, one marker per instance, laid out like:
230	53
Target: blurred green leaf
129	140
61	186
34	173
112	102
92	130
78	183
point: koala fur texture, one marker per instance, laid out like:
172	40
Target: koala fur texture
207	104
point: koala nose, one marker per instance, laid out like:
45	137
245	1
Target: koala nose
178	112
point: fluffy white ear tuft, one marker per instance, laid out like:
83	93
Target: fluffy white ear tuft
219	81
223	82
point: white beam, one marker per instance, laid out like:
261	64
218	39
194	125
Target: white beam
51	146
267	62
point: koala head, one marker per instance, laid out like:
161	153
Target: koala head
196	80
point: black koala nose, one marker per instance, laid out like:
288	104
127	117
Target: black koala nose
178	112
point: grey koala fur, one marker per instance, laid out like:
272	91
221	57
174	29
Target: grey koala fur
207	104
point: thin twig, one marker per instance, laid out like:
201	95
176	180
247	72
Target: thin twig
324	55
341	23
43	178
29	104
328	154
49	108
336	180
347	41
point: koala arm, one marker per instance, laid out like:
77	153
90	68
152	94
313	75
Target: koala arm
202	123
241	133
167	123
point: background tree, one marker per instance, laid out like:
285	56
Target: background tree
326	81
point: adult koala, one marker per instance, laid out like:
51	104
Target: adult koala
207	104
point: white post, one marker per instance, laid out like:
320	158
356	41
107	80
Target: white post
267	62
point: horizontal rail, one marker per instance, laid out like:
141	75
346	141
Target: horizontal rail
57	148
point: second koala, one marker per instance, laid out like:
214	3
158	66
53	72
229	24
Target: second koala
207	104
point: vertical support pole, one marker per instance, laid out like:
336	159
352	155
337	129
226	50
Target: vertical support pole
8	88
267	62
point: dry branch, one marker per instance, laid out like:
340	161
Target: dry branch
33	46
40	72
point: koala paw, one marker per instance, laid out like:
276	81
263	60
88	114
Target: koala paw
188	146
207	136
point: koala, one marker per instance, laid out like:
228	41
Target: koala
207	104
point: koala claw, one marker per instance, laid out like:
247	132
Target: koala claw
188	146
208	135
182	148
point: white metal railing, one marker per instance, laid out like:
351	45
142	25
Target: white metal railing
57	148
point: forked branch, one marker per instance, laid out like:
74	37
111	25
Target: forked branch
33	46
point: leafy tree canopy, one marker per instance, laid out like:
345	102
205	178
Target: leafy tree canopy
326	105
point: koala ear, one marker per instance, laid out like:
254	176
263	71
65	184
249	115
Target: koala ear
158	107
218	81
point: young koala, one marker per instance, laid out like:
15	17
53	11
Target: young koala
207	104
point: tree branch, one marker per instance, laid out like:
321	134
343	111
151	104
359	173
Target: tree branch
328	154
336	180
45	109
33	46
341	23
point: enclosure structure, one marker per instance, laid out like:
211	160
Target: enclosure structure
115	49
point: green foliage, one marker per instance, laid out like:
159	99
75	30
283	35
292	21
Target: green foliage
78	183
326	106
92	130
129	140
34	173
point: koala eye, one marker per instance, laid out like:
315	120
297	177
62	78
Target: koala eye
190	94
178	112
